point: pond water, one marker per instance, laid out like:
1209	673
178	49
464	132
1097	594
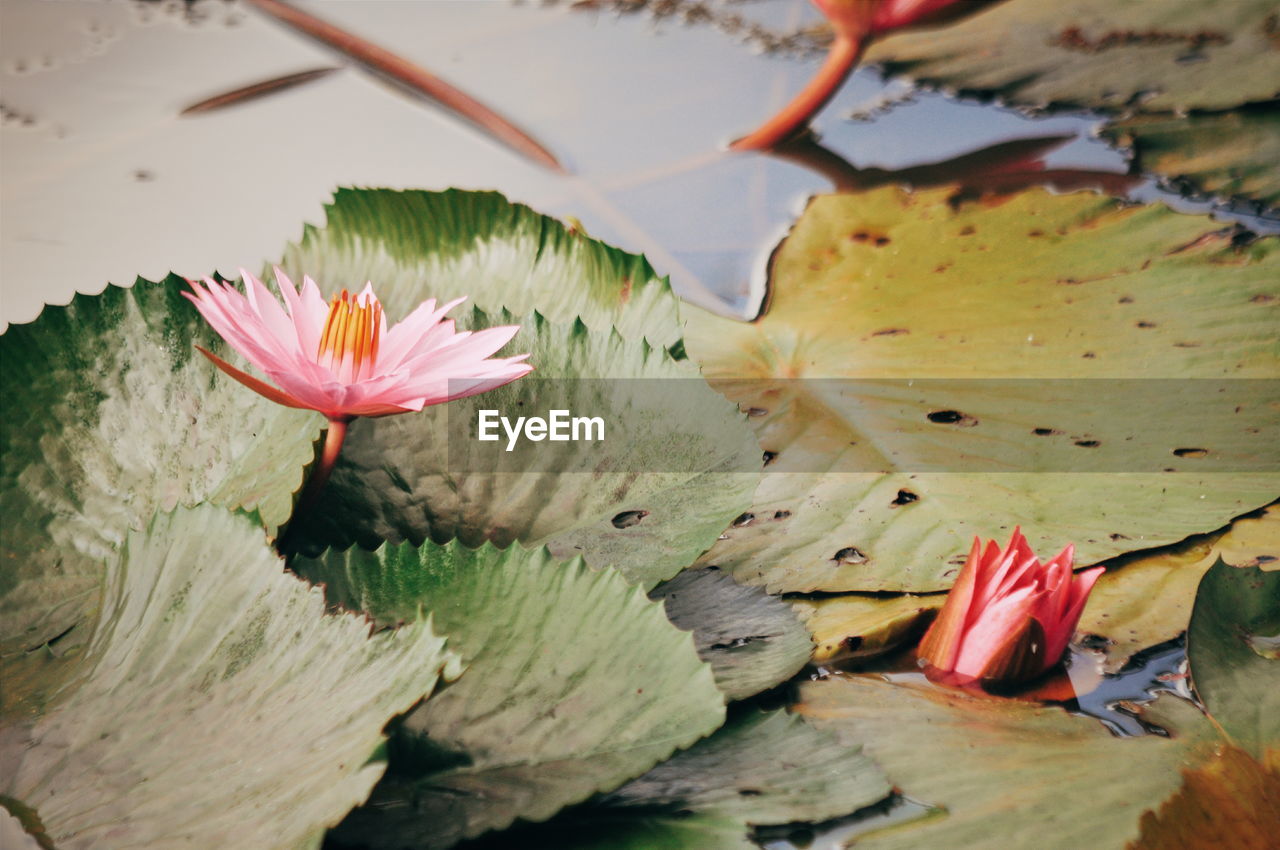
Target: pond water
102	181
103	178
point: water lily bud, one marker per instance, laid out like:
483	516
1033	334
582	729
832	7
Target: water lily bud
1008	618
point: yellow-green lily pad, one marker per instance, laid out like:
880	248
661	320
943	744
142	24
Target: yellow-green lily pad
1013	299
1146	599
1172	55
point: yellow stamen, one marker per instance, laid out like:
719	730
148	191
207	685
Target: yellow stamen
351	335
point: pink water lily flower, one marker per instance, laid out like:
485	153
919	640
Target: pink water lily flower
1008	618
341	359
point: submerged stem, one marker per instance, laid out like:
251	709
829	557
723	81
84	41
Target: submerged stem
840	62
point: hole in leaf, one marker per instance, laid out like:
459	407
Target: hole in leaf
743	519
1088	444
904	497
952	417
1190	452
626	519
1045	432
850	555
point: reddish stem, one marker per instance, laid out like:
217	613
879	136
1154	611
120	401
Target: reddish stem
409	76
333	440
795	116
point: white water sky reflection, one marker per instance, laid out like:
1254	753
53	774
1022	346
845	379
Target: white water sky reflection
103	182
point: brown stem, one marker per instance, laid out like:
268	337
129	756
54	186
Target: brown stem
409	76
795	116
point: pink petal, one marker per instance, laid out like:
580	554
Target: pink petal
1066	625
464	354
260	387
941	644
307	323
987	635
403	336
272	314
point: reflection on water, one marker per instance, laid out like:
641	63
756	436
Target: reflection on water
103	181
1117	699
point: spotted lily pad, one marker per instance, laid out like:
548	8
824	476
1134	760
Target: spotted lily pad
1002	304
1220	154
753	641
861	626
648	499
1098	54
1001	767
1233	646
575	683
215	702
111	415
1146	598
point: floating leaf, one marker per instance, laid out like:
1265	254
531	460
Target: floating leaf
112	415
1098	54
1145	598
1230	801
752	641
1221	154
764	768
1002	767
395	480
503	256
885	286
215	703
761	768
575	683
845	627
1231	647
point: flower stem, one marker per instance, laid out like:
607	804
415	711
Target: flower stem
334	437
840	61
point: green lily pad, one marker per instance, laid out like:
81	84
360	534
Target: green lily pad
610	502
1145	598
1099	54
752	640
575	683
215	703
416	245
657	829
1232	647
887	286
1220	154
112	415
1001	767
761	768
